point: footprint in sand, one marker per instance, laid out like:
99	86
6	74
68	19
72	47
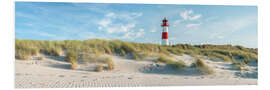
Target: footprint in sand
18	74
164	78
61	76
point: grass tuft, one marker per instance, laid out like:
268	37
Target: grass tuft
109	63
139	56
177	65
202	67
99	68
239	66
72	57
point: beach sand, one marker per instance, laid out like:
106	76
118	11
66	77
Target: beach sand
56	73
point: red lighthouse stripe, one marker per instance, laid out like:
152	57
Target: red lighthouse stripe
164	24
164	35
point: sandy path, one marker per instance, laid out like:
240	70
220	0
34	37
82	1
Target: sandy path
50	73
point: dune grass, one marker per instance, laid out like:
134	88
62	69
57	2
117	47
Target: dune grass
202	67
27	48
239	65
139	56
72	57
99	68
110	63
177	65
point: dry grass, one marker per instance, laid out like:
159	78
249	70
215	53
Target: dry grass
72	57
99	68
202	67
139	56
73	65
109	63
177	65
21	54
239	66
27	48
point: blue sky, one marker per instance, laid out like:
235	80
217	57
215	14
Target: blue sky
191	24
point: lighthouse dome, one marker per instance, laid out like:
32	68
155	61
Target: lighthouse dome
165	20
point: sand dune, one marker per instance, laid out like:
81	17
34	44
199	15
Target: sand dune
55	73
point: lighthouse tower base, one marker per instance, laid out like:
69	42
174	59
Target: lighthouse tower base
164	42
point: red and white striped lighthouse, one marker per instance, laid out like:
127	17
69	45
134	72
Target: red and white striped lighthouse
164	38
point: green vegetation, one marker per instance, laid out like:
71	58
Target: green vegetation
177	65
239	66
72	57
202	67
109	63
139	51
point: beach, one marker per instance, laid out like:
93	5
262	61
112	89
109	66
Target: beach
56	73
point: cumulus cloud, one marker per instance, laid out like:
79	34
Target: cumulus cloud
134	34
193	25
118	28
140	33
104	22
126	27
189	15
195	17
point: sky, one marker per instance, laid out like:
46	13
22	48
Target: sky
189	24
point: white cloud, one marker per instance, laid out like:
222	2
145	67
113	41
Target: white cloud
125	28
118	28
110	15
188	15
226	27
193	25
195	17
99	28
140	33
137	14
129	16
153	30
105	22
111	25
216	35
134	34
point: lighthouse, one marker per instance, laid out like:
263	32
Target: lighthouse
164	37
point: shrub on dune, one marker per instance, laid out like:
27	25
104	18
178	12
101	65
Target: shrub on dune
22	54
139	56
109	63
239	66
223	57
72	57
34	51
177	65
99	68
53	51
163	59
176	51
202	67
